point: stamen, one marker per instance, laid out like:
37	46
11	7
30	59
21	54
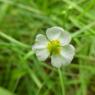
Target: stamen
54	47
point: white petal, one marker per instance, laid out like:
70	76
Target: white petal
65	38
41	39
41	42
53	32
68	52
57	33
42	54
57	61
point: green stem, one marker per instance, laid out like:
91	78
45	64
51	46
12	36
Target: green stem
61	81
83	30
30	71
12	39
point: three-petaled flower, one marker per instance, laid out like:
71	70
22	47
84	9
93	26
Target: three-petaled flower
56	45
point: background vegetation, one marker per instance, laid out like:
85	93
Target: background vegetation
21	73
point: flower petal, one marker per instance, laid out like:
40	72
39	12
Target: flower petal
65	38
42	54
57	33
57	61
68	52
41	42
53	32
41	39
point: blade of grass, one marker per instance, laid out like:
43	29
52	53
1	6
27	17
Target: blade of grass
77	33
21	6
12	40
5	92
3	10
74	5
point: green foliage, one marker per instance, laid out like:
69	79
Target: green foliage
21	72
4	92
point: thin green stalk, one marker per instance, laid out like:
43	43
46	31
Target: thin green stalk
12	39
30	71
22	6
30	53
61	81
77	33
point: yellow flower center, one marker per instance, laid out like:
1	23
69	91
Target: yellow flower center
54	47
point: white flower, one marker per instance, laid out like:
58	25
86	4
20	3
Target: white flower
56	45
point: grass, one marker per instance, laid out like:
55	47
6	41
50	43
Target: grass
21	73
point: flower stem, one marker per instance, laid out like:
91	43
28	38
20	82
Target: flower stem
61	81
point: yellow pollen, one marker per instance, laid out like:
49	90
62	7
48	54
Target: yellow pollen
54	47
